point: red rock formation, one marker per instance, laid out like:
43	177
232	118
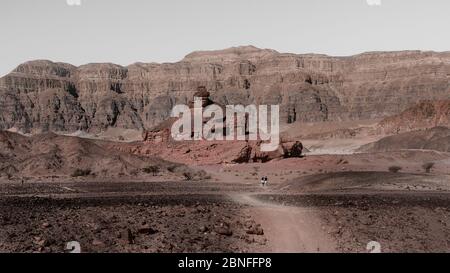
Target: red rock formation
158	141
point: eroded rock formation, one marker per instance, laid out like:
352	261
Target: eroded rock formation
158	141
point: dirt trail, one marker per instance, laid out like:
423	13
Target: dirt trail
288	229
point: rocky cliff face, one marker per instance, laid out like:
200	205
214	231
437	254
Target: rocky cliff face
42	95
425	115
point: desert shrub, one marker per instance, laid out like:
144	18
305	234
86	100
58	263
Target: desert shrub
395	169
428	166
81	172
151	169
193	175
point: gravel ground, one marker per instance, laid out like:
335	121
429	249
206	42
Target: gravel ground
44	217
400	222
207	217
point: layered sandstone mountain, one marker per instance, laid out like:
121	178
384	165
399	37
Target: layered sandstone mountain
425	115
43	96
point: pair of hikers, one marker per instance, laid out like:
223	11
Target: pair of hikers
264	181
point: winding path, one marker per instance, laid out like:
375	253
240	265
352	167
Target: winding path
288	229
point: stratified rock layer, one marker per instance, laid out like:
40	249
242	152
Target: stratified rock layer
425	115
42	95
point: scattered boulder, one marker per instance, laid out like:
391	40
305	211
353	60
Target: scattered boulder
293	149
203	229
146	229
255	230
251	227
223	229
244	155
